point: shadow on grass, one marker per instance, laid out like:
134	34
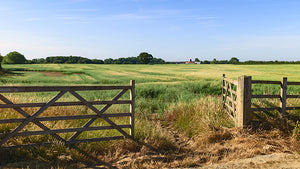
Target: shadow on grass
10	71
23	158
267	120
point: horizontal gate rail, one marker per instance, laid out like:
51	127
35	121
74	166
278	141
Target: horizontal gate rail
62	90
22	89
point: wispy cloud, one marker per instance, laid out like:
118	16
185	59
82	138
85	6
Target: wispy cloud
76	19
170	14
69	18
5	9
126	16
32	19
82	10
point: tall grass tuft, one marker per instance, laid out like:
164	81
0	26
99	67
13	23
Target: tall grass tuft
200	116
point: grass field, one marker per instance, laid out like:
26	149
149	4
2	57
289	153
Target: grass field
145	74
186	97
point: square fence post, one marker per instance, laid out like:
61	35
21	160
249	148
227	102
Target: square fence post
283	91
223	91
132	99
243	109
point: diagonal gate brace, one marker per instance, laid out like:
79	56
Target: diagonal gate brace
31	118
99	113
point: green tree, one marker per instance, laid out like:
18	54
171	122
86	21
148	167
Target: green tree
109	61
214	61
197	60
14	58
144	58
234	60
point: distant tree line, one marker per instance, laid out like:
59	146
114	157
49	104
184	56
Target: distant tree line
235	60
252	62
143	58
65	59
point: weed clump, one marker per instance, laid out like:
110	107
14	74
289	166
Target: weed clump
200	116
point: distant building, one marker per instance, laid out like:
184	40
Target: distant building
190	62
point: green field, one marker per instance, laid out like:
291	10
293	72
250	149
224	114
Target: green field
157	86
186	97
144	74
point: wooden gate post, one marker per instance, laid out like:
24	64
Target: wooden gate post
132	99
283	96
243	109
223	91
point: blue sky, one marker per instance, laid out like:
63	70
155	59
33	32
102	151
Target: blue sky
174	30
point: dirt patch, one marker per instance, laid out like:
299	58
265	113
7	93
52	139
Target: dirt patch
53	74
276	160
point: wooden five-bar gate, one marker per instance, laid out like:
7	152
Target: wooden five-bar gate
62	90
237	97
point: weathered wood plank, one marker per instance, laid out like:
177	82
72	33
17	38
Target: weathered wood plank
292	108
16	120
132	107
266	109
230	114
81	129
230	99
265	82
283	96
231	81
293	83
223	91
19	105
26	145
265	96
56	118
15	89
229	107
230	90
293	96
243	101
74	142
96	139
